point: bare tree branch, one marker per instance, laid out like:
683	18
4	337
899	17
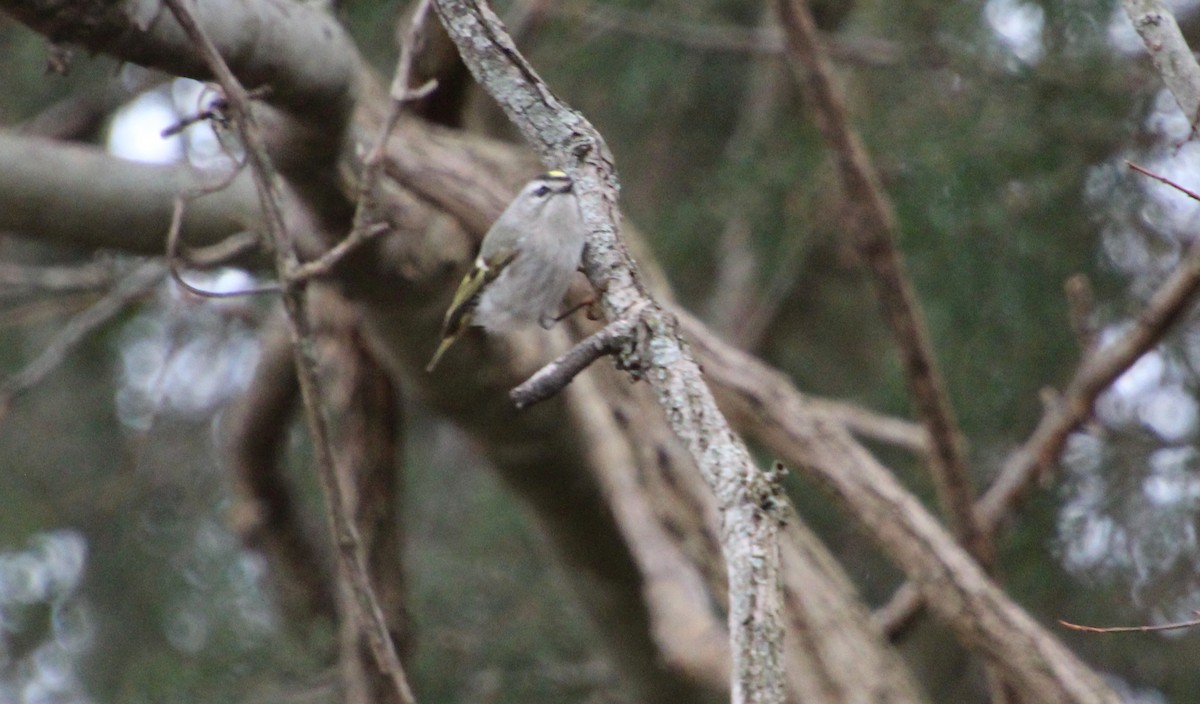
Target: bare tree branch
308	59
74	331
1180	626
749	500
954	587
1169	51
900	611
182	200
401	94
349	546
113	203
363	412
870	425
1099	370
551	378
875	232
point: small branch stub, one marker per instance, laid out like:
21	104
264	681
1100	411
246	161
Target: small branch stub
555	376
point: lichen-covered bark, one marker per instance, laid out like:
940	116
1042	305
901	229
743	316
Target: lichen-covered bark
748	500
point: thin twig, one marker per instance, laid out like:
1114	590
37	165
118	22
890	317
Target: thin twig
363	230
76	329
1100	368
180	204
1163	179
875	234
872	425
349	546
323	265
900	611
1097	372
181	201
553	377
233	247
1178	626
217	112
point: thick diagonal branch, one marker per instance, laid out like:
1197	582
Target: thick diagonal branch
875	233
954	587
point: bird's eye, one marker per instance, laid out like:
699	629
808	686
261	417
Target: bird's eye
542	191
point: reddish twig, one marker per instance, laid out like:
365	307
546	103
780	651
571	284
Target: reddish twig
181	201
1162	179
1178	626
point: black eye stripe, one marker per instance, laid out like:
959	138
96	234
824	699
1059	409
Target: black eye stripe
542	190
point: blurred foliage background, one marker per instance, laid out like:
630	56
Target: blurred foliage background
1000	128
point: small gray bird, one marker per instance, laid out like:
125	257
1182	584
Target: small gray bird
524	266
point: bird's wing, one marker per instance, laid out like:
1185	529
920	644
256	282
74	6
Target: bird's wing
467	296
458	315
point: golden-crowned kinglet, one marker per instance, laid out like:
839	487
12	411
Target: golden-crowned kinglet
524	266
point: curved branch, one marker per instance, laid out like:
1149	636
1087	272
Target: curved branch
369	616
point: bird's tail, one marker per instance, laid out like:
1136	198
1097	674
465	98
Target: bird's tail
441	350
